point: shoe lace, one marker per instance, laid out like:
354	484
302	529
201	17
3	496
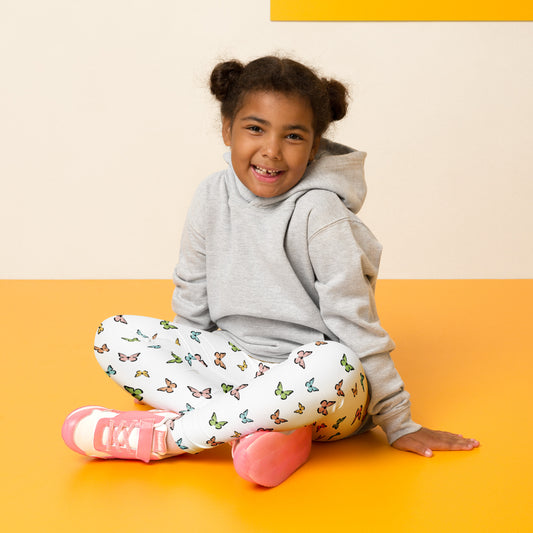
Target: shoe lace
118	435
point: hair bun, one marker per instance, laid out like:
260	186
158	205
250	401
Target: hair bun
224	77
338	99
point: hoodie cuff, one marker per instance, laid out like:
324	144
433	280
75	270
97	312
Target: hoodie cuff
399	425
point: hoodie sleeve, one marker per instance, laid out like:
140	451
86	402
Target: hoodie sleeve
345	257
189	300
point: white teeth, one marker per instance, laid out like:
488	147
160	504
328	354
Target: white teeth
266	171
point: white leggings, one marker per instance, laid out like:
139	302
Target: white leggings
220	393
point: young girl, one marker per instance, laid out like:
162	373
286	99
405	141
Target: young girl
277	341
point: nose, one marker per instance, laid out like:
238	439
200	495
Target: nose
272	148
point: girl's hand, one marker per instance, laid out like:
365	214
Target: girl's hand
425	441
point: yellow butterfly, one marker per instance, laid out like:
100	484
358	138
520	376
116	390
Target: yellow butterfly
244	366
100	328
178	341
142	373
300	409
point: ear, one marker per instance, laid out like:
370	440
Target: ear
314	148
226	131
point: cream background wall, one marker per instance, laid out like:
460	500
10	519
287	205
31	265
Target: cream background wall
107	127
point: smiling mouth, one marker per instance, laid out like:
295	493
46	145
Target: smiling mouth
265	172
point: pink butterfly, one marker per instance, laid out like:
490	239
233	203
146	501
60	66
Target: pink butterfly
262	369
235	392
206	393
132	358
120	318
300	359
198	357
170	386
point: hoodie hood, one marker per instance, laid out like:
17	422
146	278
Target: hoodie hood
336	168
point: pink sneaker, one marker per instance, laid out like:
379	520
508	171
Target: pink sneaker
106	433
269	457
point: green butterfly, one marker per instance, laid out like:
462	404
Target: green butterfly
283	393
175	358
135	339
216	423
233	347
336	425
136	393
167	325
362	381
345	364
226	388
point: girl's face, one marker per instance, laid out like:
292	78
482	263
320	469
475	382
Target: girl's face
272	141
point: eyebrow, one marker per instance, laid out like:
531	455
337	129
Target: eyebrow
289	127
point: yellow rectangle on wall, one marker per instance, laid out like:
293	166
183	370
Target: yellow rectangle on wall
406	10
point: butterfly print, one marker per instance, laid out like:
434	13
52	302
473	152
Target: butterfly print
244	417
277	420
300	410
110	371
311	385
102	349
140	373
120	318
139	332
236	435
213	442
226	388
169	388
167	325
206	393
318	427
175	358
345	364
323	409
236	391
214	422
180	445
136	393
100	329
320	343
233	347
194	335
131	358
358	414
354	390
244	366
134	339
339	421
262	369
218	360
299	360
283	394
362	376
338	388
333	436
189	358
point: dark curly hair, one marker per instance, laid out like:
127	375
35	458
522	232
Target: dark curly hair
231	81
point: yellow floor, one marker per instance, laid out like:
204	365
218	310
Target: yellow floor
464	351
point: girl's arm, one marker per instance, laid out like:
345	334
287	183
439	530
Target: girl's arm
345	256
189	300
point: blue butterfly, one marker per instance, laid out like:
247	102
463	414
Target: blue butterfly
180	445
156	346
244	417
110	371
189	358
194	335
310	385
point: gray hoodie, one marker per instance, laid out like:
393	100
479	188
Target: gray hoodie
276	273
